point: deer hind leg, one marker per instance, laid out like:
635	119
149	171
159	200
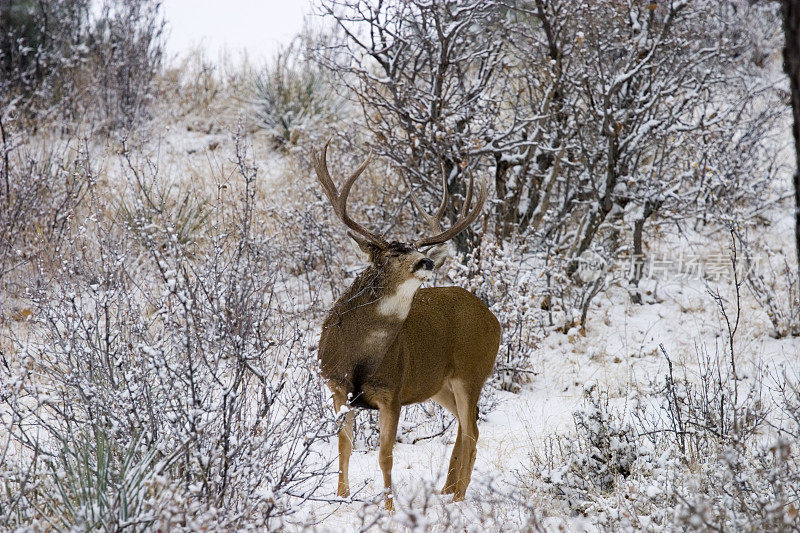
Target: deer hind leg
345	441
446	399
388	417
467	406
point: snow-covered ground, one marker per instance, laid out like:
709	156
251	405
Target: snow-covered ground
619	354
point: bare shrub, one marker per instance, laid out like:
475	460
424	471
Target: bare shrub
166	389
125	49
152	201
41	184
37	53
206	95
193	85
66	60
772	281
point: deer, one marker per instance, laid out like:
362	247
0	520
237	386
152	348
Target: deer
388	343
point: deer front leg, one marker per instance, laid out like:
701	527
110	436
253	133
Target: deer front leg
345	442
388	418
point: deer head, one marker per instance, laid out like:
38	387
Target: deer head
401	263
386	342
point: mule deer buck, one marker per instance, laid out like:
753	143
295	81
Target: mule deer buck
388	343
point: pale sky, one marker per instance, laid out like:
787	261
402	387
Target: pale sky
259	27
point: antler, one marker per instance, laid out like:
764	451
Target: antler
465	218
433	221
339	200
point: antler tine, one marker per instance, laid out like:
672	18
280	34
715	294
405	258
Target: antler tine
349	222
434	222
470	189
465	218
445	197
339	200
324	177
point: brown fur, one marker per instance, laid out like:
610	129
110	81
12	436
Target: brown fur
443	349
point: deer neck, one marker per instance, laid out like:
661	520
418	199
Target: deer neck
396	303
376	307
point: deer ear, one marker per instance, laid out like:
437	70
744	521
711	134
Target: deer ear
366	246
438	254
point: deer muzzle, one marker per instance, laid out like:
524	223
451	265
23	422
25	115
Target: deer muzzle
424	264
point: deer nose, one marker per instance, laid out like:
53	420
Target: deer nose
427	264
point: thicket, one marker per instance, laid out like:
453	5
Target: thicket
709	445
598	124
68	71
74	62
170	382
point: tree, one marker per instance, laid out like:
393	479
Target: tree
433	81
597	120
654	104
791	65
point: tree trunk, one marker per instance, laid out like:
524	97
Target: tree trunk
638	250
791	64
506	209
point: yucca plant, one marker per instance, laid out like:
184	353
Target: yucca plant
290	95
99	484
185	211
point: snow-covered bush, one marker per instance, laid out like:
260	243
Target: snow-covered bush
677	460
90	63
604	451
742	489
697	451
165	388
41	184
726	471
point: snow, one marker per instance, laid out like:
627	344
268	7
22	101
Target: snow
564	384
618	354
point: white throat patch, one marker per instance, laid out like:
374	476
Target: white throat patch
399	304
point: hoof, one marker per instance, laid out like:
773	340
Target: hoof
390	504
458	497
343	492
